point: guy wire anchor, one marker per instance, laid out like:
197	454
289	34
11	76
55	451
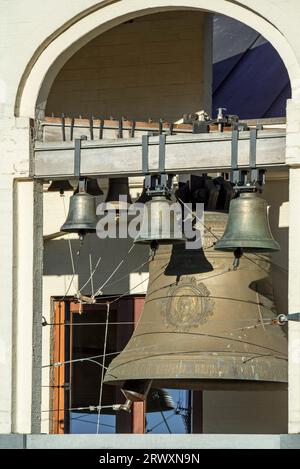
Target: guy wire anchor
284	318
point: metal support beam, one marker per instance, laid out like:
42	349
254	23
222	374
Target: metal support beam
183	154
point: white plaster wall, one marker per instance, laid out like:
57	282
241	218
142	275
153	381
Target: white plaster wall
6	306
262	412
23	297
24	26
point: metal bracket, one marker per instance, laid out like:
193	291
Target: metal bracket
161	183
235	175
241	177
145	154
252	155
77	155
200	127
162	153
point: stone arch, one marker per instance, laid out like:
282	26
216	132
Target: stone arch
54	52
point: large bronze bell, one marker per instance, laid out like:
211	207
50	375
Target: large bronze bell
159	223
82	216
118	187
248	226
204	325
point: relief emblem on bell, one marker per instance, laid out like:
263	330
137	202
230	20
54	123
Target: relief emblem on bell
188	305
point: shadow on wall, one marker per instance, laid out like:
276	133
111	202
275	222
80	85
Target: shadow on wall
235	412
276	193
57	262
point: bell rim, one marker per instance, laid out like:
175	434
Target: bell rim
210	384
200	381
222	246
73	229
146	241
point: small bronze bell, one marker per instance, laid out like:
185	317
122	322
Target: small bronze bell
82	216
118	187
143	197
60	186
248	226
92	187
159	223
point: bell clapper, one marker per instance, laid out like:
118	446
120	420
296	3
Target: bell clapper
237	255
125	407
81	236
153	248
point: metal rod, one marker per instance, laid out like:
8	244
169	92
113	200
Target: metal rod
77	155
132	130
234	156
120	132
160	126
162	153
252	156
101	127
63	127
72	128
145	154
91	128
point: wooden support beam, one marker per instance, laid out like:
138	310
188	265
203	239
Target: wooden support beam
58	373
139	408
184	154
54	129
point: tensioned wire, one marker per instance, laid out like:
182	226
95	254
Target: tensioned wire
98	291
103	367
77	360
266	321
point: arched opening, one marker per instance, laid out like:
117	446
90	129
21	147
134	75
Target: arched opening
174	78
48	59
152	67
163	65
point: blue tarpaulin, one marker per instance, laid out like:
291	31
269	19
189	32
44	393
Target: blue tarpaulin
249	77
